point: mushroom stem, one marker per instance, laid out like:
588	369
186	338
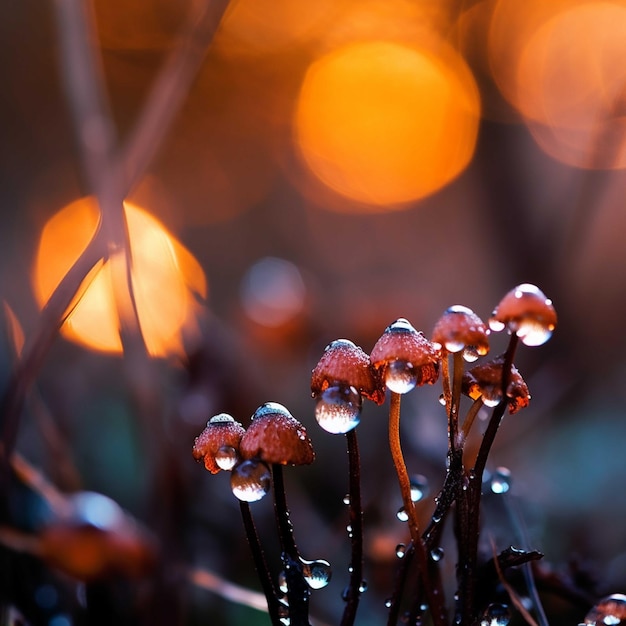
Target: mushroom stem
356	534
429	575
260	563
297	589
468	520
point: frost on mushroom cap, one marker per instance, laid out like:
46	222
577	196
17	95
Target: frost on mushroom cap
527	312
460	328
221	433
401	342
276	437
345	363
486	380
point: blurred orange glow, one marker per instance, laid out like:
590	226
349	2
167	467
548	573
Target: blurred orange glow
165	277
262	26
572	80
385	123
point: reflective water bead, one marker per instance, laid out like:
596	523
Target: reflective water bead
402	515
419	487
496	325
221	418
226	457
610	611
363	586
472	353
496	615
346	499
317	573
436	554
338	409
400	550
250	480
533	333
282	582
388	603
400	376
501	480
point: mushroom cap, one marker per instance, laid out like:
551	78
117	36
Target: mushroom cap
345	363
527	312
402	342
486	378
221	432
460	328
276	437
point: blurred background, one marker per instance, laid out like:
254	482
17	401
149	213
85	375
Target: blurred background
334	166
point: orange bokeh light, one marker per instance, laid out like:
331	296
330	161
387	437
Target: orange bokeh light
386	123
560	65
572	96
165	277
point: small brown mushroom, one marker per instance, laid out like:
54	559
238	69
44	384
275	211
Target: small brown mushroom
218	444
276	437
405	358
344	363
460	329
485	380
527	312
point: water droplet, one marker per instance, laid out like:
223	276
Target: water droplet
346	499
610	611
400	325
437	517
454	346
317	573
282	582
226	457
532	332
496	615
436	554
222	418
442	400
388	603
338	409
419	487
496	325
400	376
400	550
345	594
349	529
250	480
472	353
501	480
363	586
402	515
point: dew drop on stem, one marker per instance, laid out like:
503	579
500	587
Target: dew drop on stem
400	550
338	409
317	573
402	515
419	487
496	615
436	554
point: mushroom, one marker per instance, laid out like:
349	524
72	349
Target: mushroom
460	329
218	444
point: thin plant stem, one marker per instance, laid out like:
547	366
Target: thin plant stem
297	589
469	516
260	563
455	401
356	533
469	419
429	577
